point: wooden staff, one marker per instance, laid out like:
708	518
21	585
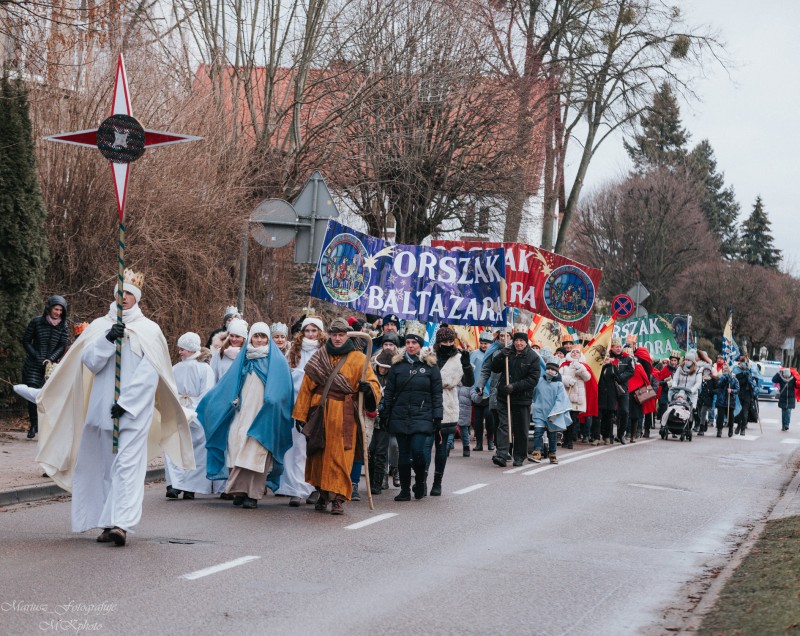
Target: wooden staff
360	335
118	342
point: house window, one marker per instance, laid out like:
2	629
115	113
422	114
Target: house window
483	220
469	220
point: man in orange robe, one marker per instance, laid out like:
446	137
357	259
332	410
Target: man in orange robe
328	469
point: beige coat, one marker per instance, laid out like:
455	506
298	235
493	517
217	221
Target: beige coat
574	377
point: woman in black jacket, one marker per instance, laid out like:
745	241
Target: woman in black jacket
412	407
45	340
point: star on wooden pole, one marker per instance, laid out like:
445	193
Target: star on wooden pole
122	140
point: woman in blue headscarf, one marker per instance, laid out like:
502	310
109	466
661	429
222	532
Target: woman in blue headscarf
248	420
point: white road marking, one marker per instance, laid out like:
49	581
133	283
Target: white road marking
545	460
747	438
790	440
653	487
541	468
218	568
464	491
370	521
516	470
569	460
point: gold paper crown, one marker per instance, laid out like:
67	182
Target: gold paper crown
308	312
416	328
135	279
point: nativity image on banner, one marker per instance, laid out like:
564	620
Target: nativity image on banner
542	282
368	275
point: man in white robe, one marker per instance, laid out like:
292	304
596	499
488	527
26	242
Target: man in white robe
76	451
194	378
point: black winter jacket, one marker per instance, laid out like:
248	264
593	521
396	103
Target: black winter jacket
708	390
610	375
412	397
786	398
43	342
524	371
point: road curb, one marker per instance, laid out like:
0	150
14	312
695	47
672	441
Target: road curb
787	504
49	491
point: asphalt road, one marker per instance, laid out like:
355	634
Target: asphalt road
600	544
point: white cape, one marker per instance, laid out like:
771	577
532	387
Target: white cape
63	402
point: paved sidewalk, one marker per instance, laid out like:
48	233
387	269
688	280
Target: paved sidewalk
21	477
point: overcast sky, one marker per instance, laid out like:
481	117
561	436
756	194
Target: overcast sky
750	115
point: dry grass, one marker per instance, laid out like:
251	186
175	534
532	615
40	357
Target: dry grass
763	595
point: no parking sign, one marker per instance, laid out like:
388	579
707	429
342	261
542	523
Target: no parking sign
623	306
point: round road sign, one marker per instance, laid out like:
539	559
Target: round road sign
623	306
273	223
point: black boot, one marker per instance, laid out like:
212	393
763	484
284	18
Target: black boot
420	481
375	485
404	473
394	472
436	489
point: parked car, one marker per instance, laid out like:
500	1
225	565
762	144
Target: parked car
766	371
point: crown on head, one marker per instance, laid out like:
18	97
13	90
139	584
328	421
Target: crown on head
416	328
136	279
309	311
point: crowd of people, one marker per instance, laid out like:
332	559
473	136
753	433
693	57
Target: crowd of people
264	408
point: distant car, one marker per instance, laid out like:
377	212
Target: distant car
766	371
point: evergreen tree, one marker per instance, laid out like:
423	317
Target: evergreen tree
662	140
23	240
717	202
757	243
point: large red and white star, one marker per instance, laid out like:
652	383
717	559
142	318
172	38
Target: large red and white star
120	138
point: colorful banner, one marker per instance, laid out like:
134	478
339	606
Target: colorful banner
542	282
420	283
730	350
659	333
597	348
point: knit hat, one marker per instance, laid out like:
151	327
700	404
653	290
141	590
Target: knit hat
339	325
279	327
355	323
132	282
384	359
520	335
416	330
552	365
258	327
237	327
392	318
485	337
189	341
313	320
445	333
391	336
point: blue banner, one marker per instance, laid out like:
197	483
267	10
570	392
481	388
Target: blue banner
420	283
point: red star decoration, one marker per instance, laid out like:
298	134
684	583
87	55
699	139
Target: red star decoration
121	105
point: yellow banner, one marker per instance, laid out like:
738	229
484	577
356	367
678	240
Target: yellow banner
597	348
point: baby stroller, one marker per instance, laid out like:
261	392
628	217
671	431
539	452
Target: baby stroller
679	416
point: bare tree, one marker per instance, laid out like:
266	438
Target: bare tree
430	144
766	303
648	228
595	64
